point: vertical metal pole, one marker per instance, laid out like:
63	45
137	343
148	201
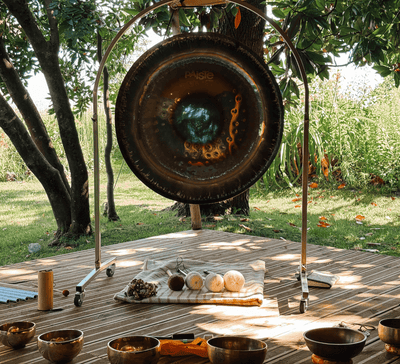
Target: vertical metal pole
97	236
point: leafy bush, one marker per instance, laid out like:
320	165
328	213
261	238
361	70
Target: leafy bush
354	137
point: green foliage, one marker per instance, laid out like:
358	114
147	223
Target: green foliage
356	135
320	28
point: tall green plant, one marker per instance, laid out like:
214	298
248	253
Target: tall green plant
354	138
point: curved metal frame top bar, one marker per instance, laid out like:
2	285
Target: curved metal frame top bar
305	127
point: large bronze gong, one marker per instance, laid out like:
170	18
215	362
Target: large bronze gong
199	118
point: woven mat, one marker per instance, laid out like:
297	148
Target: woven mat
155	272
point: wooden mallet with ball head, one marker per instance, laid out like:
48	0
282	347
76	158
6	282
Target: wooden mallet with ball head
175	281
193	280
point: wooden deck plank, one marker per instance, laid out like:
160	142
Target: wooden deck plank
367	292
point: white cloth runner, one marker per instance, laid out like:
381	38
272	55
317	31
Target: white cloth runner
156	272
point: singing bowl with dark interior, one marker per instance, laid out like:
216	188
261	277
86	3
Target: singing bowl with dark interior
17	334
389	331
60	346
236	350
134	350
335	343
199	118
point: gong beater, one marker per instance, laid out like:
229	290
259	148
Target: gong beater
199	118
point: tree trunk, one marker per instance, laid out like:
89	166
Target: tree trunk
48	176
110	207
29	112
46	51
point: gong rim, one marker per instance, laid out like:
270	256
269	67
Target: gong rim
199	118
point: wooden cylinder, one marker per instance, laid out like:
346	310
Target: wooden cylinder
195	216
45	290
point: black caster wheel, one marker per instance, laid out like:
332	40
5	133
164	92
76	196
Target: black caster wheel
78	299
303	305
110	270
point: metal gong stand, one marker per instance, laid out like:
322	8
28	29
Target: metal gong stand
109	265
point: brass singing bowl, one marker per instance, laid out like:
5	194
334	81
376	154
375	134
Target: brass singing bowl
389	331
335	343
18	338
134	350
236	350
60	346
199	118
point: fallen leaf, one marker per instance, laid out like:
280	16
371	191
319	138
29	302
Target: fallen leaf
245	227
238	18
296	199
182	219
298	206
333	214
322	218
218	218
68	247
360	217
291	224
369	234
140	223
323	224
374	204
299	195
276	231
313	185
256	208
393	198
341	186
244	219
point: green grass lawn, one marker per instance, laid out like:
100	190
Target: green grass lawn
27	218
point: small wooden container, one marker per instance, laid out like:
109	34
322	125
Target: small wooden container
45	290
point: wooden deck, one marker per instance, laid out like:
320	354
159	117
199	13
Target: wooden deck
369	290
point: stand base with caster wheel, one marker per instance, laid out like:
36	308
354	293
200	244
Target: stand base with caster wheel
109	265
304	288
